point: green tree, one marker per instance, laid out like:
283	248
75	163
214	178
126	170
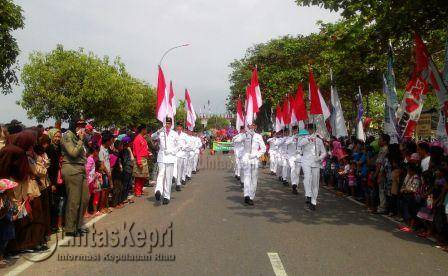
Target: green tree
68	84
217	122
391	19
11	19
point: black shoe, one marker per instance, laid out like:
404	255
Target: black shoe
285	183
279	178
173	181
83	230
178	188
183	182
246	199
312	207
188	178
166	201
158	195
251	202
193	172
294	190
236	176
308	200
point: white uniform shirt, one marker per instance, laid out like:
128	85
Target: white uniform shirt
167	146
238	144
254	148
313	150
273	147
182	145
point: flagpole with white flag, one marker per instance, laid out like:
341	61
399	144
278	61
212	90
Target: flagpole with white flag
191	114
338	127
360	135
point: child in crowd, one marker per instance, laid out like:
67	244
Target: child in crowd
351	178
104	157
94	178
409	206
8	212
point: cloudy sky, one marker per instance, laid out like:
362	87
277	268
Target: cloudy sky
139	31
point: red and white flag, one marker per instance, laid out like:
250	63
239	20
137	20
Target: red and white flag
278	119
292	109
251	106
239	115
286	111
162	98
171	103
425	73
318	105
191	114
301	113
256	88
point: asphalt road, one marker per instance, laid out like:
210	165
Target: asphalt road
213	233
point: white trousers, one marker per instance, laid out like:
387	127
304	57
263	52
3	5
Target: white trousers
272	162
250	179
237	168
311	182
285	170
295	173
164	179
181	169
279	166
195	161
189	166
175	169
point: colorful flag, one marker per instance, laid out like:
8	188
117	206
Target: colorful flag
337	121
360	135
391	105
162	99
286	111
315	107
292	109
191	115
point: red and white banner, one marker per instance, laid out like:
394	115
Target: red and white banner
191	114
292	107
171	103
301	112
162	98
256	88
239	115
278	119
286	111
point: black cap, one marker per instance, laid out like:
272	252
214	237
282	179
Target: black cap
169	120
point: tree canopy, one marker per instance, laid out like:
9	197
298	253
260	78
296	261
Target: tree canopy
354	48
11	19
68	84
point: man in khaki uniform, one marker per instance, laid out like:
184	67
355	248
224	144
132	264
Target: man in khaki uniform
73	173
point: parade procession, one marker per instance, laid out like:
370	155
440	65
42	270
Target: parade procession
238	137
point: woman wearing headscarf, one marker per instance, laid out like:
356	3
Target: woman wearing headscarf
54	174
30	229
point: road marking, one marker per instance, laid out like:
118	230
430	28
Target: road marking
277	264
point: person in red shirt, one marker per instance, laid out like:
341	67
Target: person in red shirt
141	156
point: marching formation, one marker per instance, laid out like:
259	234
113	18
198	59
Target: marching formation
177	158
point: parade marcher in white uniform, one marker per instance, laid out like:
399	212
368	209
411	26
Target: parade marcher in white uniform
273	151
191	144
165	159
284	159
238	150
314	153
254	148
181	156
197	150
280	141
291	153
